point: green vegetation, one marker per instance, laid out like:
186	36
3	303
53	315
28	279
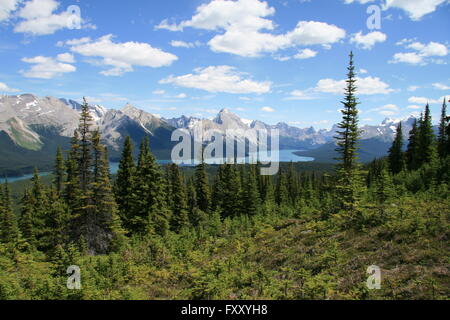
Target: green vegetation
227	232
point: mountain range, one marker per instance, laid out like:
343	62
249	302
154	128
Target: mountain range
31	127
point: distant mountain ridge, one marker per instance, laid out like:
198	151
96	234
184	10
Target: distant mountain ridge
32	124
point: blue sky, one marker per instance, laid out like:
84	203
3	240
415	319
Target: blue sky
276	60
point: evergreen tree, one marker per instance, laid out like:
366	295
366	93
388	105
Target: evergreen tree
8	224
292	181
443	142
85	144
427	146
349	186
59	171
149	212
282	191
231	192
396	156
105	228
412	153
202	188
26	218
40	205
251	199
179	201
384	186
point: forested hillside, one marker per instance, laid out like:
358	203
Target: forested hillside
232	233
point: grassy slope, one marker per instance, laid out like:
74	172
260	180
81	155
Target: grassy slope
268	257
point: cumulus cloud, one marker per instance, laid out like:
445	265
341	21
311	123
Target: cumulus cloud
7	7
66	57
416	9
305	54
423	100
121	56
369	40
267	109
38	17
219	79
441	86
46	67
246	29
183	44
5	88
423	54
387	110
366	86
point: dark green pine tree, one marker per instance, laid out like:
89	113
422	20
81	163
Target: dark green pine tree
150	213
40	204
26	218
427	145
231	192
106	233
443	143
59	171
192	201
84	152
412	152
124	185
293	186
217	190
180	209
396	155
282	191
349	179
251	197
384	186
8	224
56	221
202	188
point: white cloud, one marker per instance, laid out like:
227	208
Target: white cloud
414	107
363	71
423	53
441	86
181	96
366	86
416	9
267	109
5	88
38	18
301	95
66	57
243	23
387	110
360	1
219	79
122	56
7	7
305	54
183	44
413	88
424	100
369	40
409	57
46	67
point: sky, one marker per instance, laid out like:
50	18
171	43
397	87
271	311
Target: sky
275	60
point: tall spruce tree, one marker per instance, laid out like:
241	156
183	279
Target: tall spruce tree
427	145
412	153
350	184
59	171
443	142
251	197
26	217
396	155
8	224
179	201
124	186
150	213
202	188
